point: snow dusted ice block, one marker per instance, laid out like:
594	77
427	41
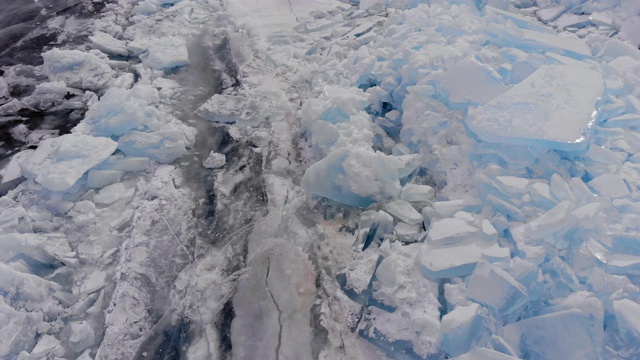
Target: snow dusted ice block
120	110
551	108
77	69
222	108
58	163
356	176
108	44
214	160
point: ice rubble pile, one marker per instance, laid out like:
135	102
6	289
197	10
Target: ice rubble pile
530	248
60	232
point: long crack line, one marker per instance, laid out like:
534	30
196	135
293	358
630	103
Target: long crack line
266	285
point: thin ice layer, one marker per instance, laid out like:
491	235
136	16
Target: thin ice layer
551	108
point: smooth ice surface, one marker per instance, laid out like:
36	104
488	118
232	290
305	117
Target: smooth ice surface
77	69
561	335
554	107
58	163
626	312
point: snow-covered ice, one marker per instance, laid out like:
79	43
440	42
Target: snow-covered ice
77	69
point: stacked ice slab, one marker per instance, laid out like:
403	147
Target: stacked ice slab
529	248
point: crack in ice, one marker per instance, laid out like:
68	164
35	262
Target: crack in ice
293	12
266	285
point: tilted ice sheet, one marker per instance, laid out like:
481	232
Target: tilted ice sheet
58	163
551	108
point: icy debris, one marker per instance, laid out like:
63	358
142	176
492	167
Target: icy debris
99	178
161	53
108	44
223	108
214	160
551	108
77	69
58	163
450	261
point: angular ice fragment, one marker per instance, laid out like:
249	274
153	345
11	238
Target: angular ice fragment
81	336
404	211
58	163
47	347
551	108
223	108
451	231
214	160
496	289
414	192
626	312
560	335
469	82
610	185
12	170
462	328
77	69
459	259
110	194
108	44
552	221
